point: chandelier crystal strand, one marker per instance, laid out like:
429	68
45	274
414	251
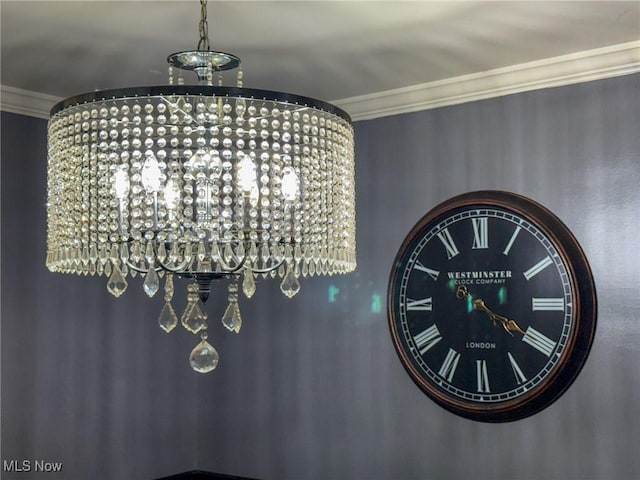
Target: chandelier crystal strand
202	182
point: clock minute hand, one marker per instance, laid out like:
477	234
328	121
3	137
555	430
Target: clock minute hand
510	326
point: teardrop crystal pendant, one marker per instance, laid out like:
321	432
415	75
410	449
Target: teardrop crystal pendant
168	318
151	282
116	283
194	318
290	285
231	318
204	358
248	283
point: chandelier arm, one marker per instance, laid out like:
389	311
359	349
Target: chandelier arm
267	270
226	269
180	269
177	269
138	269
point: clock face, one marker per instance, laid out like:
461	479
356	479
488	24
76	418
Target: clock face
492	306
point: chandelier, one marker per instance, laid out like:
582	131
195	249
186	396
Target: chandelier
203	182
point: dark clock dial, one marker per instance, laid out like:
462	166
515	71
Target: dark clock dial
486	308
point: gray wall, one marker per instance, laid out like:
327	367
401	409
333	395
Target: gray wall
313	389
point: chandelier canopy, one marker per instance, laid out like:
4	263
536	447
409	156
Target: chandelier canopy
203	182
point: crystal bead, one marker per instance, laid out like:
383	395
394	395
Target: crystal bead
228	253
202	252
215	252
204	358
117	283
194	318
103	254
248	283
252	254
266	255
168	318
135	252
168	287
290	285
151	282
192	290
93	254
240	251
149	254
231	318
162	252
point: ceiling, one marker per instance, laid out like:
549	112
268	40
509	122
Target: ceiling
331	50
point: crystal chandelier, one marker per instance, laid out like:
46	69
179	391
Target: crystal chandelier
204	182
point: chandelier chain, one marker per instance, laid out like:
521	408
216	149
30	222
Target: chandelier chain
203	27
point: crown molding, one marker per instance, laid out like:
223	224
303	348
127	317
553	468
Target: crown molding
589	65
600	63
26	102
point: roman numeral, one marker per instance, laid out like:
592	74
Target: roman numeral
427	339
511	240
538	267
539	341
542	304
447	241
482	377
432	273
423	304
480	232
520	378
449	365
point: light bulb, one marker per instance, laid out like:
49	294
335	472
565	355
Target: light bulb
151	173
290	184
121	183
247	175
171	194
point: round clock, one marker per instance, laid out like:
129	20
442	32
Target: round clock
492	306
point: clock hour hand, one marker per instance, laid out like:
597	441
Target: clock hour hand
509	326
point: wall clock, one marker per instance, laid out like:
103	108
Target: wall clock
492	306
